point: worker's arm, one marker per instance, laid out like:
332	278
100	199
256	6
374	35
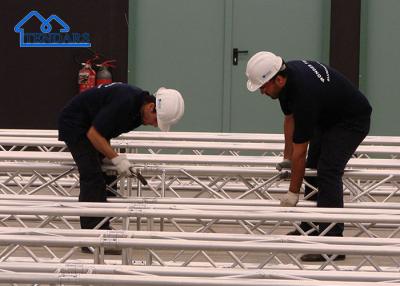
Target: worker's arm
288	128
298	166
291	198
103	146
100	143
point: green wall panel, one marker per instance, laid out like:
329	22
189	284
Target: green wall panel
179	44
380	62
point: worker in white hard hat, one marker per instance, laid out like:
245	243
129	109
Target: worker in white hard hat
325	113
93	117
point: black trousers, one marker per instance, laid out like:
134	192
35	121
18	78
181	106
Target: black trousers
328	153
91	178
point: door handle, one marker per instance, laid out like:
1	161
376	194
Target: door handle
235	55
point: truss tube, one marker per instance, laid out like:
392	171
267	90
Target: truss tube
139	280
125	202
212	237
163	244
209	212
272	214
80	268
251	170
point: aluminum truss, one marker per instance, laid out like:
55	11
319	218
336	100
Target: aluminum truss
190	181
199	272
362	222
184	159
171	249
185	147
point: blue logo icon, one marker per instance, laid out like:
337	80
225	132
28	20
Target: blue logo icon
47	38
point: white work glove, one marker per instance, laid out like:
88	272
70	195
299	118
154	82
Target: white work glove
285	164
122	164
289	199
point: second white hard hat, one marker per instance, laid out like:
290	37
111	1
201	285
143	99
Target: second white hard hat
261	67
169	106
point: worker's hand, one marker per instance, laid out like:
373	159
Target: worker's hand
289	199
284	174
285	164
122	164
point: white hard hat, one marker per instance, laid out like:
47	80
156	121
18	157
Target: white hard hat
169	107
261	68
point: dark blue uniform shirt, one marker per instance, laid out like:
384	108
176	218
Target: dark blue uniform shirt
112	109
319	97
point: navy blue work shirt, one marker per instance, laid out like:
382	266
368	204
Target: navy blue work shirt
319	97
112	109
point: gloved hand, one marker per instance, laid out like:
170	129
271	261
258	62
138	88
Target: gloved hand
285	164
122	164
290	199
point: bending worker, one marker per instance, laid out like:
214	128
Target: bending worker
325	113
93	117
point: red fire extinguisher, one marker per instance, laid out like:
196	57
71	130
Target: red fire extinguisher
104	76
86	76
